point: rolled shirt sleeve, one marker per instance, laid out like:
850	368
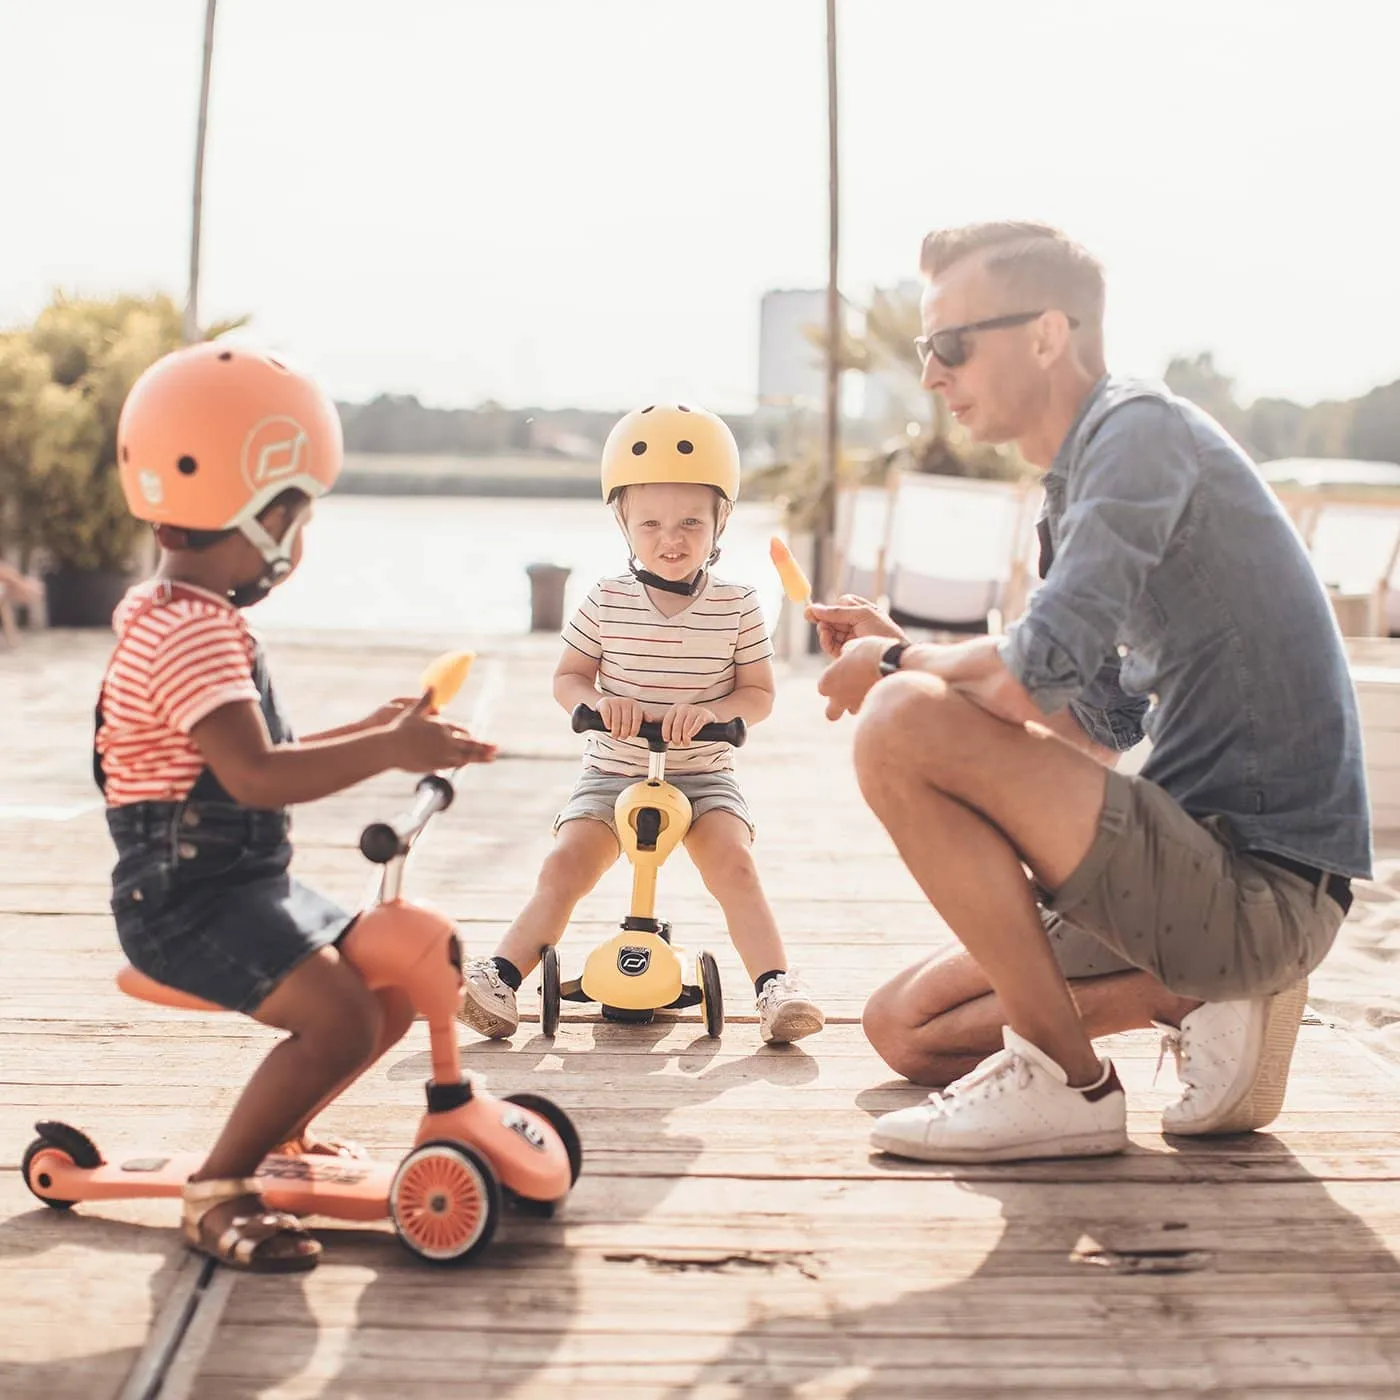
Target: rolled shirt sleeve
1125	498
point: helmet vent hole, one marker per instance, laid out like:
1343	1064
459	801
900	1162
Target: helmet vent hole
685	448
649	408
226	355
638	448
126	453
682	408
187	466
277	364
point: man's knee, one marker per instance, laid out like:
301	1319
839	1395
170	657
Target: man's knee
906	719
890	1028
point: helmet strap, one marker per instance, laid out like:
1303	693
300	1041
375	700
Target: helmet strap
277	561
686	588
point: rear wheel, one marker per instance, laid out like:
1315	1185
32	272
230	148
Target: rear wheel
711	994
549	990
56	1139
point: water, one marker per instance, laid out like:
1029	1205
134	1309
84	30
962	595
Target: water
456	565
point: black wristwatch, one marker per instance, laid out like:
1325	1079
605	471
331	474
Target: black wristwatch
889	662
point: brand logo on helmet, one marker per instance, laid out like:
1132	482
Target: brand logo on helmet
151	487
633	961
275	450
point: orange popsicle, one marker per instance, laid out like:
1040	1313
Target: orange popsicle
795	583
446	676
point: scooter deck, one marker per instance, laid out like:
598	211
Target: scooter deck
339	1187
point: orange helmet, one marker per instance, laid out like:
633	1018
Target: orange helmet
211	434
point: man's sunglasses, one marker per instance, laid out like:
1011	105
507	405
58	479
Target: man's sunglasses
949	347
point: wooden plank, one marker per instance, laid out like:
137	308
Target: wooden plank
732	1234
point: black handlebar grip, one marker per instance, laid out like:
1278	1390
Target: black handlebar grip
731	731
381	842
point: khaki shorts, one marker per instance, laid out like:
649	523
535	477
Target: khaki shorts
1164	892
596	795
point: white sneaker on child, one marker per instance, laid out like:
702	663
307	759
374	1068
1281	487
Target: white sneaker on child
488	1005
1016	1105
786	1011
1232	1058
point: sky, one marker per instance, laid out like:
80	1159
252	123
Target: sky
581	202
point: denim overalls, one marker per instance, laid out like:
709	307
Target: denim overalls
200	892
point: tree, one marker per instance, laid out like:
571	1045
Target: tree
62	385
1374	431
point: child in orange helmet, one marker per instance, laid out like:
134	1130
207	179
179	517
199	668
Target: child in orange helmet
668	641
223	450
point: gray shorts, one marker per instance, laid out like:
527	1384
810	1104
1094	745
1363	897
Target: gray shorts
1164	892
596	795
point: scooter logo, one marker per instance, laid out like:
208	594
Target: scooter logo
517	1122
633	961
275	450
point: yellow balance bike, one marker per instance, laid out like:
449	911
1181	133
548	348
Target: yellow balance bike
638	972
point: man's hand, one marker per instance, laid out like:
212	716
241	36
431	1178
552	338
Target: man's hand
848	618
848	680
681	723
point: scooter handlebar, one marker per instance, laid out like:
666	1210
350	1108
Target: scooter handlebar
381	842
731	731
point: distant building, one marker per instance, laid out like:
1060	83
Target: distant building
791	371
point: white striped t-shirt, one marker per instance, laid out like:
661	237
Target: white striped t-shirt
175	663
688	659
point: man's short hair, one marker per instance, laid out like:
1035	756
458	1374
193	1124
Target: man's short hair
1041	266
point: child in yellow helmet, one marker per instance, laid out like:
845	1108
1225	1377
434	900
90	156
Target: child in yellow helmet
669	641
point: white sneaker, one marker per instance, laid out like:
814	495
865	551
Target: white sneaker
786	1011
1232	1058
1016	1105
488	1005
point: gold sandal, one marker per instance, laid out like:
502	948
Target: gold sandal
240	1241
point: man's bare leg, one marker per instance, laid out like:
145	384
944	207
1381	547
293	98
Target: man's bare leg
938	1019
968	800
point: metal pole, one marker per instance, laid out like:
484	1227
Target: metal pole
191	326
825	528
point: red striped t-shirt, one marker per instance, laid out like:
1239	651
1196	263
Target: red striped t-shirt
688	658
177	660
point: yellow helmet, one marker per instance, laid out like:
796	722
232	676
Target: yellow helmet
671	443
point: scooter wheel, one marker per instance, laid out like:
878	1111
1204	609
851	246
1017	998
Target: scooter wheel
79	1149
445	1202
560	1122
711	994
549	990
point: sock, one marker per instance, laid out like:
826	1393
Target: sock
508	973
759	983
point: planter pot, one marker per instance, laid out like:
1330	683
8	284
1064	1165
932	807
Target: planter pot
84	597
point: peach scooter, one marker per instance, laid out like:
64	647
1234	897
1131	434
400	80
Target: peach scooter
472	1151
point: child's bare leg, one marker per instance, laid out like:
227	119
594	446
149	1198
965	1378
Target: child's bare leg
720	844
395	1017
722	848
584	851
334	1020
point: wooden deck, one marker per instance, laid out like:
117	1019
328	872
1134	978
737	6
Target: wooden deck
731	1236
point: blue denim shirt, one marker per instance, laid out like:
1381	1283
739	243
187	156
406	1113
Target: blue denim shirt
1180	603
